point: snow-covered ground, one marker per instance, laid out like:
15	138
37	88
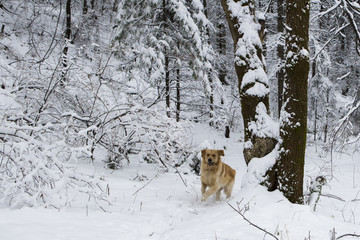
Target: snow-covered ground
153	205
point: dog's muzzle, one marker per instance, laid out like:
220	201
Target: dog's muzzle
210	162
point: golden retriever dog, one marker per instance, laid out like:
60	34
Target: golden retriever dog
215	175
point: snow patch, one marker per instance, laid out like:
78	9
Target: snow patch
264	126
257	168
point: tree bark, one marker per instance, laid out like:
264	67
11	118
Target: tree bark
167	72
167	85
67	41
290	169
178	96
256	146
280	53
211	97
85	7
221	44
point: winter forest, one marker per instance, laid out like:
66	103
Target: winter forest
106	105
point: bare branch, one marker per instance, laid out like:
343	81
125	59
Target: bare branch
252	224
321	14
348	235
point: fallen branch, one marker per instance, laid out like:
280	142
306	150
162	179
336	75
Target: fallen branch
252	224
348	235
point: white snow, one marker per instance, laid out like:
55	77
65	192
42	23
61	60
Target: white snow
252	76
264	126
160	206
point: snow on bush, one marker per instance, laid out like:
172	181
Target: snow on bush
36	166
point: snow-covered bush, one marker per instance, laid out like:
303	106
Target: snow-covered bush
37	165
124	124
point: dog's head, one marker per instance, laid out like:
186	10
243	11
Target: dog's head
211	157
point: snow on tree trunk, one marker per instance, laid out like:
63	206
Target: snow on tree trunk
293	122
254	89
280	53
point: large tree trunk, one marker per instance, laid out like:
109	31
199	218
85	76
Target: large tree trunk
290	168
250	72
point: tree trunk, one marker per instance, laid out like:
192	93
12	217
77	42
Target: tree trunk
249	64
290	169
67	41
211	97
85	7
327	115
280	53
178	106
313	74
221	44
315	119
167	73
167	85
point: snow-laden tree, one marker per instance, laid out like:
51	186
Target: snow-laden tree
38	148
346	132
104	106
293	119
171	36
259	135
283	170
334	76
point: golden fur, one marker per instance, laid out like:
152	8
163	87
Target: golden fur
215	175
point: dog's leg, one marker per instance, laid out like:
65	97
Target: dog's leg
228	188
210	192
218	194
203	189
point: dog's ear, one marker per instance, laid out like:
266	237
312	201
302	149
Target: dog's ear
221	152
203	152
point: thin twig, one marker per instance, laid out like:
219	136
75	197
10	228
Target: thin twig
177	171
252	224
332	196
143	186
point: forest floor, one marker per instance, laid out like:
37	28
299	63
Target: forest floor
153	205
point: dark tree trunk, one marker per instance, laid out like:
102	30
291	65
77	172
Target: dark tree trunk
259	146
280	53
178	98
67	41
221	42
167	73
313	74
227	132
294	118
85	7
211	97
167	85
315	120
